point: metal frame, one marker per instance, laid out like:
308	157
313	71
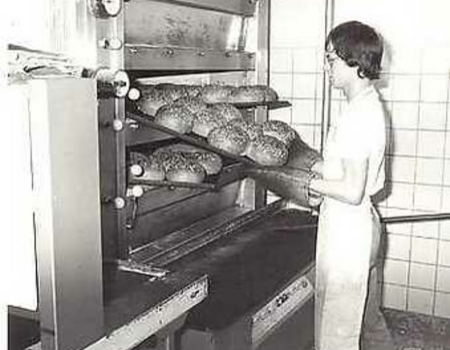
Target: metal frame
67	216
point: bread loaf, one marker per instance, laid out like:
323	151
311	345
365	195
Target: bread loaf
173	91
267	150
154	170
193	90
176	118
252	129
280	130
247	94
229	138
193	104
211	162
205	121
216	93
270	95
226	111
179	168
151	100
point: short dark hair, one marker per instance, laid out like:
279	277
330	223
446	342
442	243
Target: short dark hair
359	45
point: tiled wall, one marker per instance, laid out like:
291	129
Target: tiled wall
415	90
417	264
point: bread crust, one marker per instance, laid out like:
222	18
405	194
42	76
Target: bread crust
229	138
268	151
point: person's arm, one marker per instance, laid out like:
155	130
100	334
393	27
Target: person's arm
350	187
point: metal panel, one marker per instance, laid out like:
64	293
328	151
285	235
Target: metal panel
241	7
166	24
66	182
141	57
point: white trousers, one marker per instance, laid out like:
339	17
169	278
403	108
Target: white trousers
347	246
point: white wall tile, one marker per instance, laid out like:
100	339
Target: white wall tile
305	60
422	276
305	86
444	253
404	142
429	171
430	143
282	83
406	88
394	296
426	229
395	271
405	114
447	143
402	169
420	301
432	116
406	60
434	88
443	279
401	196
436	60
444	229
398	247
427	198
446	199
304	112
447	170
424	250
442	307
281	60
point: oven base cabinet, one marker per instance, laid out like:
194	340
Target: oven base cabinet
294	331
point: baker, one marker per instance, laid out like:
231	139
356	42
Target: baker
351	173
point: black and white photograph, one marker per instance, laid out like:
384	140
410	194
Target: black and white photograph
225	175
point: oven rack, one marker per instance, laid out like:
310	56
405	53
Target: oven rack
227	175
147	121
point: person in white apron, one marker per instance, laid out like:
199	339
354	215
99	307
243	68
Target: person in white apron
352	171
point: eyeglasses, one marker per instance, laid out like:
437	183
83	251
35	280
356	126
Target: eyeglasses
332	57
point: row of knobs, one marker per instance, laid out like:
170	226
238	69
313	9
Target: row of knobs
110	82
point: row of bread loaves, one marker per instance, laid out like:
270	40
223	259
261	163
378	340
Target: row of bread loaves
178	163
267	143
153	97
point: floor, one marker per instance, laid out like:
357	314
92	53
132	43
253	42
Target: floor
418	332
410	331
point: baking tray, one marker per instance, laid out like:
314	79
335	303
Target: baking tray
147	120
228	174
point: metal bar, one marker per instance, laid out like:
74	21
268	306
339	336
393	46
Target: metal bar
415	218
326	92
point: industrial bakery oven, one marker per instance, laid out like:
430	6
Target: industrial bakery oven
207	265
258	258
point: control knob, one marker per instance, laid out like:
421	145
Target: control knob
105	8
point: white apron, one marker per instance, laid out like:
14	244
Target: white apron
347	245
